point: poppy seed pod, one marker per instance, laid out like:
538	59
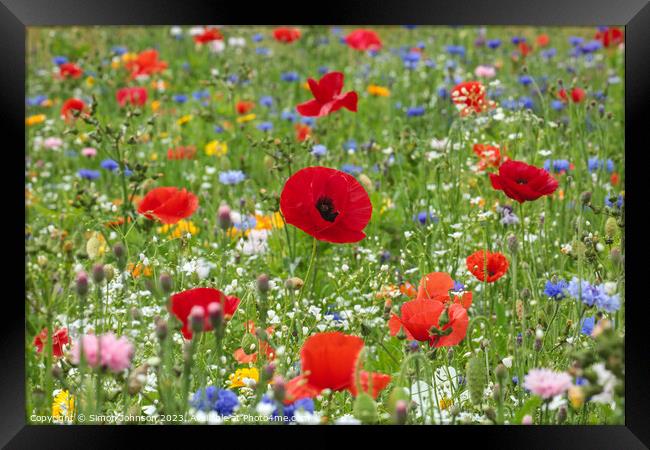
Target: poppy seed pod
365	409
585	197
81	284
401	412
501	372
161	329
118	251
215	313
513	243
475	375
109	272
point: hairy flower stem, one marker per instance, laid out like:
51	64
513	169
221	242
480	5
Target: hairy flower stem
187	369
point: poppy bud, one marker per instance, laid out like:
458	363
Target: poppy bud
57	372
496	392
187	352
249	343
118	251
401	412
585	197
610	228
98	273
197	318
527	420
401	334
165	281
109	272
490	413
81	284
525	294
261	334
294	283
366	182
444	318
223	217
513	244
263	283
215	313
279	389
615	256
365	409
161	329
268	371
475	375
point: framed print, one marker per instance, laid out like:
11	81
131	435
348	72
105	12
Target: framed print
393	217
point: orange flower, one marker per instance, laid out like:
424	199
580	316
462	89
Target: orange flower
436	286
138	269
490	156
497	265
303	132
146	63
243	358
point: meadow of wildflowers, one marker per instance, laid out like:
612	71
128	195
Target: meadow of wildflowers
325	225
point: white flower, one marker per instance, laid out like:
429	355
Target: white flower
306	418
507	361
347	419
264	409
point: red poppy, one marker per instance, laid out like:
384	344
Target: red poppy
523	182
328	360
70	105
181	153
59	339
490	156
298	388
469	97
244	107
326	203
286	35
543	40
243	358
436	286
363	40
328	97
146	63
303	132
70	70
376	381
524	49
610	36
420	318
208	35
497	265
614	179
168	204
136	96
183	302
577	95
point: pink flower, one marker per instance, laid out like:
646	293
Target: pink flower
485	72
547	383
114	353
89	152
52	143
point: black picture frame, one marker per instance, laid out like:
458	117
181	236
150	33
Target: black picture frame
16	15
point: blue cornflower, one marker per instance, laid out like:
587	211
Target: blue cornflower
581	381
525	80
230	177
557	166
458	286
200	95
556	291
590	47
549	53
411	59
557	105
309	121
350	145
455	50
594	164
494	43
290	76
526	103
352	169
515	380
262	51
257	37
58	60
119	50
306	404
218	129
575	40
442	92
610	204
610	303
424	217
222	401
109	164
518	40
246	223
265	126
37	100
587	325
288	115
319	150
88	174
323	70
180	98
415	111
267	101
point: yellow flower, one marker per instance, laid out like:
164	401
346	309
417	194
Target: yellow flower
268	222
179	229
154	157
246	118
446	403
387	204
183	120
129	56
115	63
305	86
216	148
90	81
46	103
576	397
155	105
237	378
63	406
378	91
34	120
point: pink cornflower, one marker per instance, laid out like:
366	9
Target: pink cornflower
52	143
547	383
485	72
114	353
89	152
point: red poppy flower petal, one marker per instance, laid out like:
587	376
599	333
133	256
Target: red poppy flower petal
331	85
458	322
435	284
311	108
349	101
328	359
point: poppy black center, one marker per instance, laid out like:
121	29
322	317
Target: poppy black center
522	181
325	207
